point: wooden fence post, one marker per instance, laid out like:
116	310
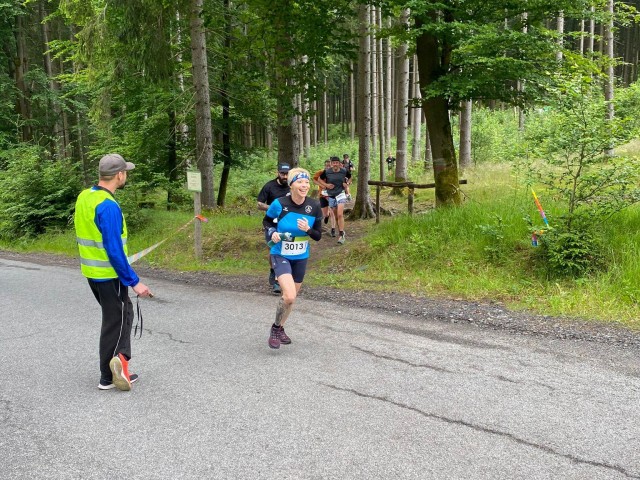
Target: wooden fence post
410	199
378	188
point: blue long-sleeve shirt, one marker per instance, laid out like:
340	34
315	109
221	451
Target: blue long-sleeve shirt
108	219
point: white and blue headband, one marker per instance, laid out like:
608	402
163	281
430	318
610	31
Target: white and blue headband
299	176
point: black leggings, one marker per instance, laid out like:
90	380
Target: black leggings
117	320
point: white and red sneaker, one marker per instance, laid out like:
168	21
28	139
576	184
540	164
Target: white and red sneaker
120	369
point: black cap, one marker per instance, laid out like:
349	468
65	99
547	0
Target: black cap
284	167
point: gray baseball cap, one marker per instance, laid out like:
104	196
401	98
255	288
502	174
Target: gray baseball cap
113	163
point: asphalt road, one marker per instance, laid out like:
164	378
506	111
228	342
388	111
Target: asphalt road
359	394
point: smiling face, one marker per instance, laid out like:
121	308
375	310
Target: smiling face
336	165
299	184
301	187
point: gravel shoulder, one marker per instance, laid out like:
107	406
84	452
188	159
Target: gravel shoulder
479	314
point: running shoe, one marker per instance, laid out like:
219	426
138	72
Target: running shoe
341	239
276	288
120	370
333	232
107	385
284	338
274	337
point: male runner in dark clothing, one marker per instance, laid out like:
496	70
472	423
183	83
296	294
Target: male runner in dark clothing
334	181
324	200
276	188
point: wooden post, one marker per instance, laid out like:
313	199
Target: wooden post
410	185
194	184
410	199
197	234
378	204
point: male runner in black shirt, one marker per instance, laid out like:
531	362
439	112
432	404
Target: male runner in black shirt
276	188
334	181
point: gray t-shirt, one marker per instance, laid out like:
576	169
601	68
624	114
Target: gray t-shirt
337	179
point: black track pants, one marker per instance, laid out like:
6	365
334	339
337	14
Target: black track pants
117	320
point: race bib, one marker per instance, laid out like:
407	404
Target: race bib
298	246
342	196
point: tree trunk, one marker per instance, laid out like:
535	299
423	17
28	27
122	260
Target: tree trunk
465	134
23	102
560	31
389	130
204	145
432	60
313	119
608	89
306	134
521	83
352	103
325	113
300	124
224	100
592	31
172	158
428	156
381	101
58	128
402	108
416	122
362	207
287	133
374	84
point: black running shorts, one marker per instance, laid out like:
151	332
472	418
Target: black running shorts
296	268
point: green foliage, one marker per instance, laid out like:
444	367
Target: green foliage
573	252
495	234
627	104
486	50
494	135
37	193
568	145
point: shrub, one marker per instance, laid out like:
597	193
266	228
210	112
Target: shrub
36	192
571	146
571	252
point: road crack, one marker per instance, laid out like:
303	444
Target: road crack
406	362
490	431
167	334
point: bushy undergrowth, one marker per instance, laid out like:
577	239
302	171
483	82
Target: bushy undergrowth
37	193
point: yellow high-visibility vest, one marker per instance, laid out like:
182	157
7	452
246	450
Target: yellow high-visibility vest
94	261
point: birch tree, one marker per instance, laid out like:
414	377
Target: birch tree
465	133
402	105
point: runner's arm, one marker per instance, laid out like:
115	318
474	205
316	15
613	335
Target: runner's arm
315	232
269	221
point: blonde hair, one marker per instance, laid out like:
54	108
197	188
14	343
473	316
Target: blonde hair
296	172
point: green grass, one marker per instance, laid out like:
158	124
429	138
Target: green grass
447	252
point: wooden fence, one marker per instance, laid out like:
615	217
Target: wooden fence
410	185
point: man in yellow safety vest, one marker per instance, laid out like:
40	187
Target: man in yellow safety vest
101	233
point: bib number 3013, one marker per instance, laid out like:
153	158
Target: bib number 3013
290	249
